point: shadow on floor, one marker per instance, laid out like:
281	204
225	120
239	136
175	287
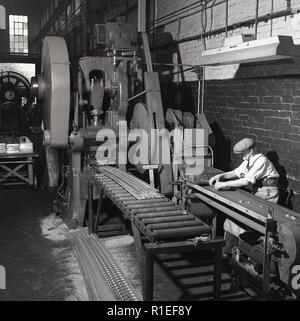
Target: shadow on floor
36	267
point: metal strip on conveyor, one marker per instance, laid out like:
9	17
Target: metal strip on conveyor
104	279
133	185
157	218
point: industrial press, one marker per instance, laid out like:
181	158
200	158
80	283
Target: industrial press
112	87
119	84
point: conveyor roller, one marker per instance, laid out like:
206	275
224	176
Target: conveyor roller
154	215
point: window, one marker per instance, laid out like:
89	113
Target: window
18	34
2	18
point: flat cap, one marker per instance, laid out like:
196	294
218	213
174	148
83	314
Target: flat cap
243	145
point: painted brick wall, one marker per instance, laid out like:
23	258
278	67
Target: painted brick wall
266	109
260	101
188	23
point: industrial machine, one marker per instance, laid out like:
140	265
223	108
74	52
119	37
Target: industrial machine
113	87
108	87
267	256
118	86
14	102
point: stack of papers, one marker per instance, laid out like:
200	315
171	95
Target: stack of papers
12	148
2	148
26	147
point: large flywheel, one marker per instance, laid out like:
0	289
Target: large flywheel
53	88
14	100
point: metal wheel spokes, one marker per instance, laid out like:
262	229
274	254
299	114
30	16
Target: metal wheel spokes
14	88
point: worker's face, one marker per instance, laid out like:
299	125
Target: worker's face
246	154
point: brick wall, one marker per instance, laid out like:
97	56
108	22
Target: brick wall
188	23
266	109
256	100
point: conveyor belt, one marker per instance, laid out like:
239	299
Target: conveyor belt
154	215
134	186
246	205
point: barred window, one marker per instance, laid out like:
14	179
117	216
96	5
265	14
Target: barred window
18	34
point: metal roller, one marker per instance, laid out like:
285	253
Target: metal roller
161	205
127	198
160	214
155	209
167	219
180	232
146	201
160	226
119	194
117	190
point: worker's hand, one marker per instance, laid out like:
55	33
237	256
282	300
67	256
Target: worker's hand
215	179
220	185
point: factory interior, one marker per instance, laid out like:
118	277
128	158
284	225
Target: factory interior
149	150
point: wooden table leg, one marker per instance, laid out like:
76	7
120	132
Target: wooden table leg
30	171
217	272
148	276
90	207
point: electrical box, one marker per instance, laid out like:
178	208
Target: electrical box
115	36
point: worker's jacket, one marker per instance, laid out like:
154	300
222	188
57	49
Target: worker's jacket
261	173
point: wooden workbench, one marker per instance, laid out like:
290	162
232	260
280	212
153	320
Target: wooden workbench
18	169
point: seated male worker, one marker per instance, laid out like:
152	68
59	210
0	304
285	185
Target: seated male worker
256	171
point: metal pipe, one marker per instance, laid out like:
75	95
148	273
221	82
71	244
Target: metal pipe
160	226
173	233
256	19
173	65
157	209
203	88
189	14
226	18
238	25
272	10
90	206
183	217
198	96
138	95
145	201
161	205
176	12
159	214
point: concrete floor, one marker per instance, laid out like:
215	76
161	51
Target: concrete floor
39	268
36	268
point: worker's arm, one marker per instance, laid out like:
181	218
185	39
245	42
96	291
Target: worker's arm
241	182
227	175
